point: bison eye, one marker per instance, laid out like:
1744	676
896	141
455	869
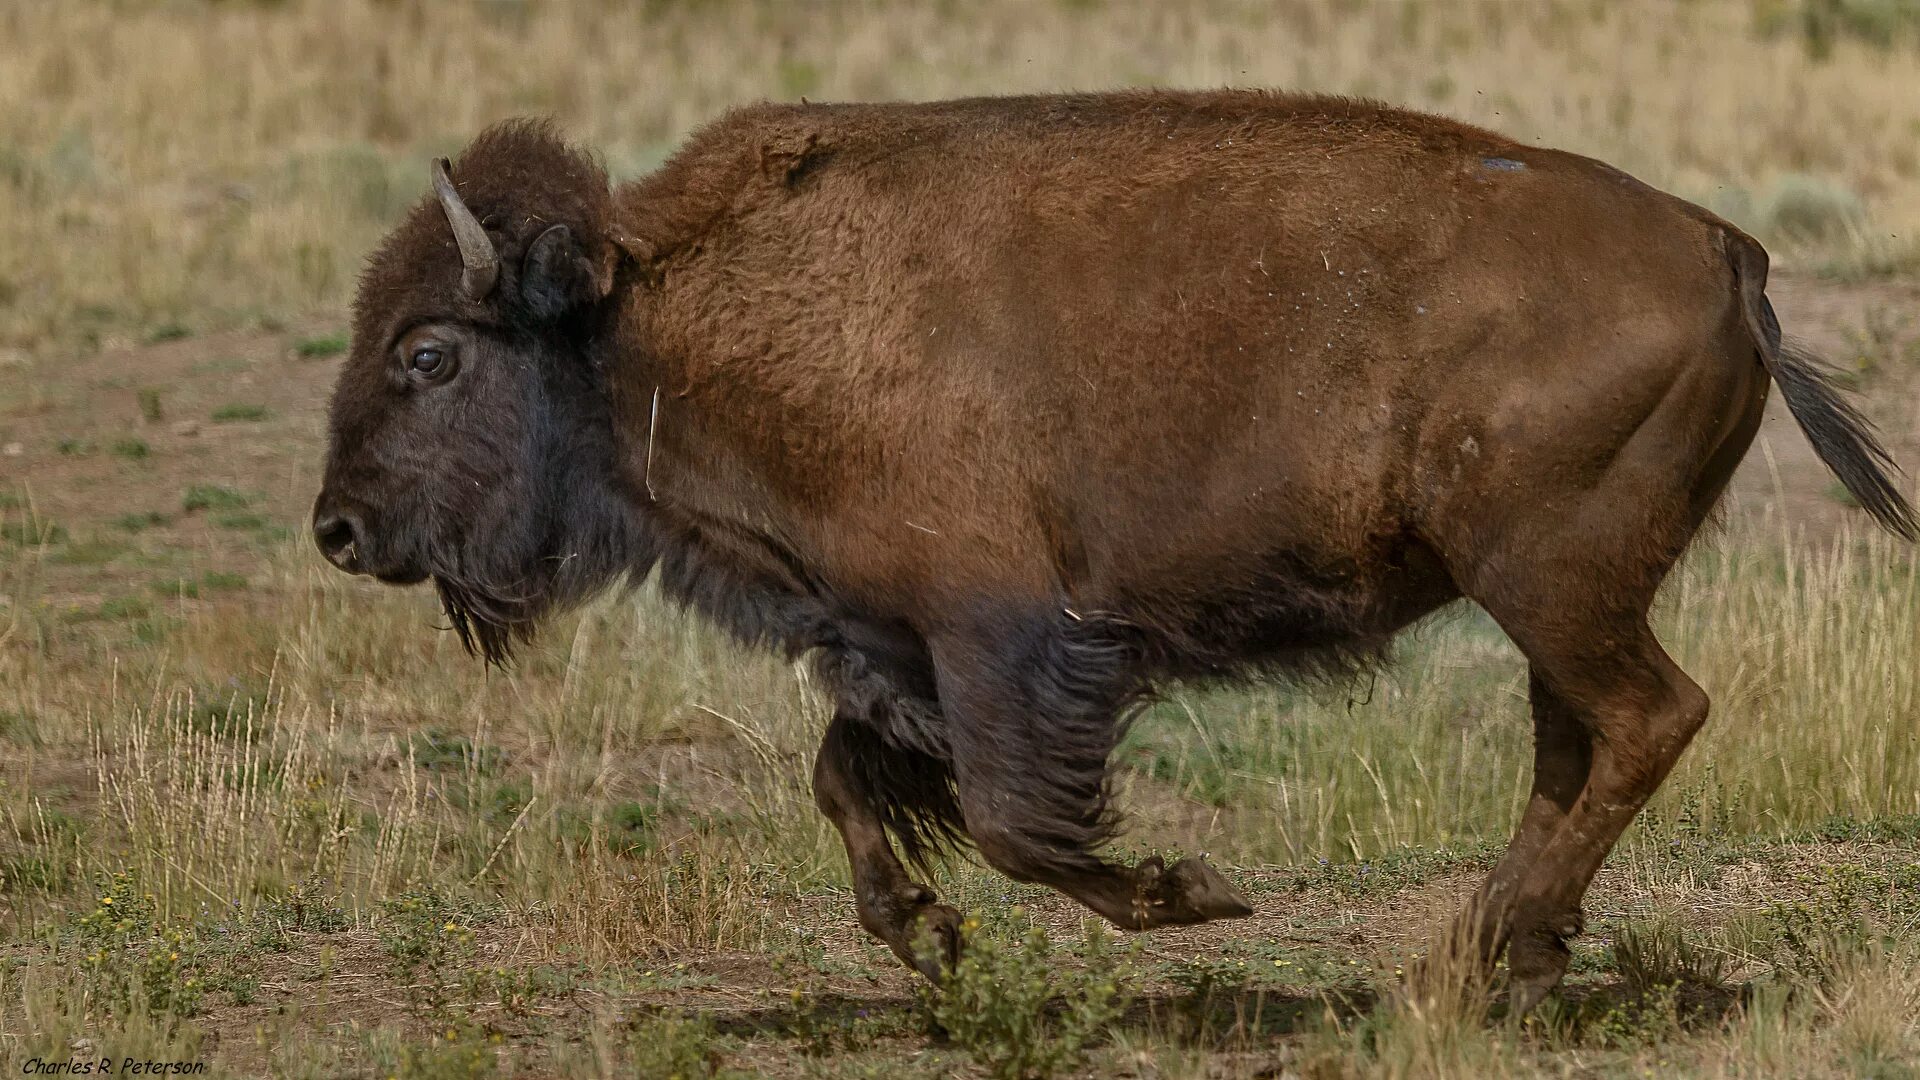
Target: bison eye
428	360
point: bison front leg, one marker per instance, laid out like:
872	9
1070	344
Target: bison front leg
902	913
1033	711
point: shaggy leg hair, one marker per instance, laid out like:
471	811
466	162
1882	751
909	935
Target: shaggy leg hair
1036	709
911	792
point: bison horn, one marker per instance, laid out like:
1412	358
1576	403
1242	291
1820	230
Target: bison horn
476	251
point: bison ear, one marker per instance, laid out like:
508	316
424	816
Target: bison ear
557	276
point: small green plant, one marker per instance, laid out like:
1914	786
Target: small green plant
76	447
517	989
244	521
631	828
424	929
32	532
321	347
436	748
673	1047
131	448
134	523
166	332
92	551
1203	982
234	412
1018	1011
212	581
131	961
124	607
1819	939
1659	955
214	497
459	1052
149	398
222	581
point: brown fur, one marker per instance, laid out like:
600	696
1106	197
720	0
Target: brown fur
1005	410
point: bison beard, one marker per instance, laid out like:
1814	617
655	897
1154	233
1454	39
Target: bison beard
489	624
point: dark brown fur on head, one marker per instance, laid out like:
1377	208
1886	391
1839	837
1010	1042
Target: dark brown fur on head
495	480
519	178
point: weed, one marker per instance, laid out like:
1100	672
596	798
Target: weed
150	408
1020	1013
140	522
212	581
132	961
1845	921
674	1047
631	826
214	497
131	448
436	748
321	347
423	930
241	521
92	551
457	1052
239	413
122	608
32	532
1659	955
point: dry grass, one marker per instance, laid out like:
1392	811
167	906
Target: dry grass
369	764
190	164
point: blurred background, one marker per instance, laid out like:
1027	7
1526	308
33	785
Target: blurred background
257	814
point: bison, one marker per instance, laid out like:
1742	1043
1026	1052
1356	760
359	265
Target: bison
1006	411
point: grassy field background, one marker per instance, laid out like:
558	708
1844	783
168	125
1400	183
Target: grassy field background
261	816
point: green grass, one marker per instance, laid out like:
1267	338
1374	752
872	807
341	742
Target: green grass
138	522
235	412
131	448
214	497
241	521
32	532
209	583
321	347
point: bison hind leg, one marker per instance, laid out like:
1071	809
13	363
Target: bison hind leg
1034	708
911	790
869	789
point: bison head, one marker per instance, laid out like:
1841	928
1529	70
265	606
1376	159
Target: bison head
470	441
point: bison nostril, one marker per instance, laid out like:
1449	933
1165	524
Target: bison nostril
339	538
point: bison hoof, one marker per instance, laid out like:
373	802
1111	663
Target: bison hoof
931	941
1536	959
1188	892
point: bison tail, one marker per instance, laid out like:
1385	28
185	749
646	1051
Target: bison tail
1843	437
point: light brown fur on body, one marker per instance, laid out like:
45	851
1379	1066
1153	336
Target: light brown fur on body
1006	409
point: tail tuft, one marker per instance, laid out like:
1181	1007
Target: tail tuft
1843	437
